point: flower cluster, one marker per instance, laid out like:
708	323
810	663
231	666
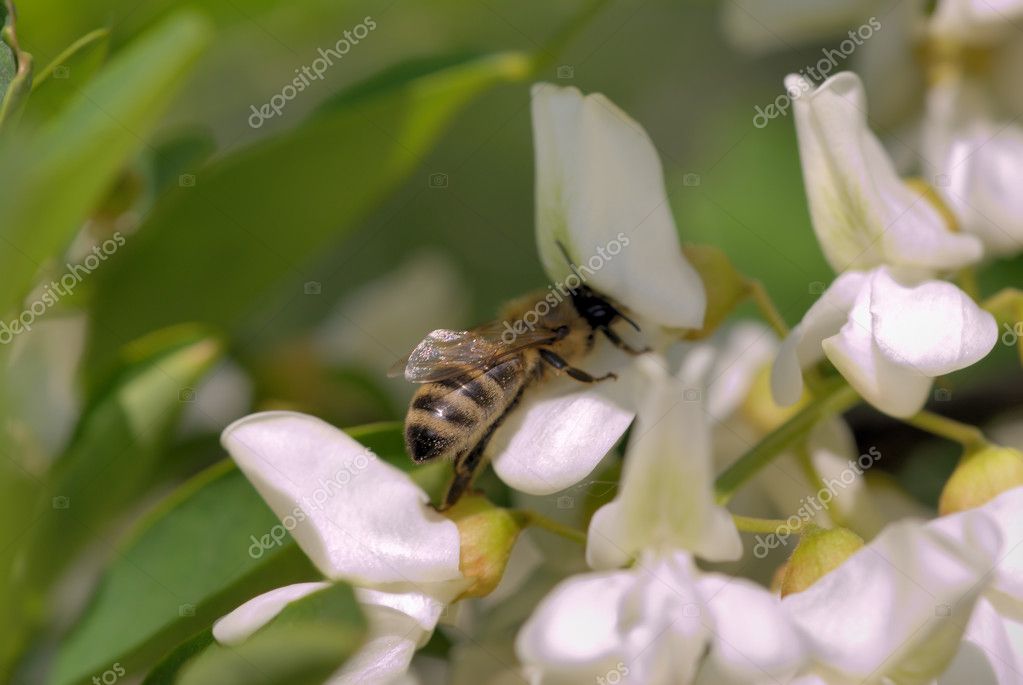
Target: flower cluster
870	595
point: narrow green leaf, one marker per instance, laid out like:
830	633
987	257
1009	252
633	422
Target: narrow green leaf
310	639
190	562
166	672
217	247
56	84
78	154
116	445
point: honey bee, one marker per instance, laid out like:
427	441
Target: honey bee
471	380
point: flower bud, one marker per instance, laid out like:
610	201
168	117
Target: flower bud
487	535
981	476
820	551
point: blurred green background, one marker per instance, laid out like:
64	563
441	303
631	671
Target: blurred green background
288	265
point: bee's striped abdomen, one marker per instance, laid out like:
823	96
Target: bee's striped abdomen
451	416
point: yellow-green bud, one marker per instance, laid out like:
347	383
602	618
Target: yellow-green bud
487	535
980	477
820	551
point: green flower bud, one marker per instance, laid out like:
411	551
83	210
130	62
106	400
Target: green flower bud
980	477
820	551
487	535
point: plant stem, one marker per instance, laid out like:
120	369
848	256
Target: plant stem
970	437
532	518
767	307
835	396
547	53
749	524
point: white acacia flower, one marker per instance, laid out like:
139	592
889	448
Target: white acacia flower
923	601
662	620
600	194
864	215
887	338
358	519
977	162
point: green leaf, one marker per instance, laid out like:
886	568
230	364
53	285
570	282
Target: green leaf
214	250
117	445
166	672
187	564
57	83
54	178
304	644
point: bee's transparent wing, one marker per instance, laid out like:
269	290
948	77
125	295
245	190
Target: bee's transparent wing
444	354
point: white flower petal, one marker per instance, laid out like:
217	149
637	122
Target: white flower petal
742	351
387	652
600	192
240	624
356	517
934	328
986	656
558	436
753	641
1006	592
975	21
666	497
863	213
424	608
802	348
574	630
897	606
894	388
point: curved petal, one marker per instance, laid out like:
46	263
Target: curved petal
934	328
355	516
895	388
237	626
742	351
574	630
986	656
802	348
422	607
863	213
558	436
666	497
753	640
387	652
1007	589
600	192
896	608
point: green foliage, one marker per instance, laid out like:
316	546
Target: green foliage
99	130
188	563
212	251
303	645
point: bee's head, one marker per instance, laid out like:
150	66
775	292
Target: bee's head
596	309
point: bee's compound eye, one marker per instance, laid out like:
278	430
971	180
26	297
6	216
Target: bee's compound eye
561	332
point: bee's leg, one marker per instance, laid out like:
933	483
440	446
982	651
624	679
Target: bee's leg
561	365
467	466
621	344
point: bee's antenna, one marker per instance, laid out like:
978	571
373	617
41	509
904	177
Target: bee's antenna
629	321
568	259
